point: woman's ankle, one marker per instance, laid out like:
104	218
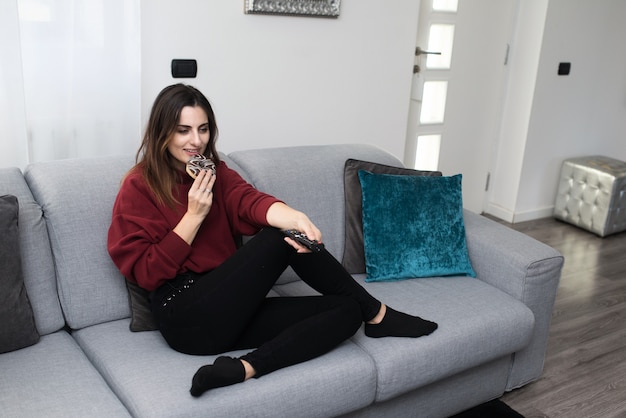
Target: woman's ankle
379	316
250	372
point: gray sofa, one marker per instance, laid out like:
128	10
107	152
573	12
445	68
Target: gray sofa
491	338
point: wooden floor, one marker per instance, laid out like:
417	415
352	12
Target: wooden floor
585	368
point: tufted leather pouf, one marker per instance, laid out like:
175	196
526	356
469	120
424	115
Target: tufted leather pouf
592	194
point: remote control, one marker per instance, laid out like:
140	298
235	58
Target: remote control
302	239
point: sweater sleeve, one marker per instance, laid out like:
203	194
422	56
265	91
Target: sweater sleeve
141	242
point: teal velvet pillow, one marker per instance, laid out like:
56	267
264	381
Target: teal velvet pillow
413	227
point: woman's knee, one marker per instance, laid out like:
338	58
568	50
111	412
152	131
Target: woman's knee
194	341
269	234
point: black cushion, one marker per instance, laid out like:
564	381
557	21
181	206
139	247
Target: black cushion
17	329
141	317
354	255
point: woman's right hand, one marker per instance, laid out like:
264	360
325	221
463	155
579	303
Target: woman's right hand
200	197
200	200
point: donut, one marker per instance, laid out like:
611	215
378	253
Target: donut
198	163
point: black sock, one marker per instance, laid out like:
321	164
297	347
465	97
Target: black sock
399	324
224	371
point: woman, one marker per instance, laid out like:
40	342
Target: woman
175	237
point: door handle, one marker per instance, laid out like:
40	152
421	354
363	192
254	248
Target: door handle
419	51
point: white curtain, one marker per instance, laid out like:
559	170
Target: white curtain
73	66
13	143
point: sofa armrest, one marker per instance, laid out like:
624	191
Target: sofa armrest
524	268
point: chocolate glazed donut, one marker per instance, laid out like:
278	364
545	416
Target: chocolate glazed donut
198	163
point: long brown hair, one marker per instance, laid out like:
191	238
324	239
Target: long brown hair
156	163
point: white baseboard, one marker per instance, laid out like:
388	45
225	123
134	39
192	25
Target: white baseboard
499	212
516	217
531	215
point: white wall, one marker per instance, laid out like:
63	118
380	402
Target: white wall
580	114
280	81
549	118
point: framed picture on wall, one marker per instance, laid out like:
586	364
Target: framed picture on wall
313	8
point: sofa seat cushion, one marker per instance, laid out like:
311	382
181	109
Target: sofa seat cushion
469	312
53	378
154	380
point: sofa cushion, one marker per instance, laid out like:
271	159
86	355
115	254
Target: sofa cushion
16	315
413	227
53	378
287	173
34	245
468	312
344	379
77	198
353	253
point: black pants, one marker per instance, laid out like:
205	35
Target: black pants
227	308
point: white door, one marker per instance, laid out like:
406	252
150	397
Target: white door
458	90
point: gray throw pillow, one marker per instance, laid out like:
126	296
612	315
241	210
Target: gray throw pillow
354	254
18	328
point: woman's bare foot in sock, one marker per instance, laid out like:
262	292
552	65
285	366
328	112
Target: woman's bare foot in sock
224	371
391	323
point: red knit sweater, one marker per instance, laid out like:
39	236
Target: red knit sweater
146	250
